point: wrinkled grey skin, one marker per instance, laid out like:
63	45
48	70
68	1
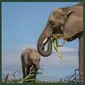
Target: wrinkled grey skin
30	57
66	23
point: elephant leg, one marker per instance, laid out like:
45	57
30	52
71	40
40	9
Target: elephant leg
23	69
81	58
35	74
28	70
27	73
23	66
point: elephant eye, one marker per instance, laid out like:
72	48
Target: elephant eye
57	30
51	23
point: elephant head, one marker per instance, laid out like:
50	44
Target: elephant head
65	23
34	56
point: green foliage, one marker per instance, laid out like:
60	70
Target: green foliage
55	44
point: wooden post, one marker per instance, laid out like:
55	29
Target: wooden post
81	58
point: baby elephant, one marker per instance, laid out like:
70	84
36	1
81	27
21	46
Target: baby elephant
30	59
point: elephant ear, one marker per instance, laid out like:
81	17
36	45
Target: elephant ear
67	12
73	26
73	23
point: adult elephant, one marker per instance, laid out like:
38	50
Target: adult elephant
30	59
66	23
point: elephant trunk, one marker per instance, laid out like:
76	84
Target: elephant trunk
43	40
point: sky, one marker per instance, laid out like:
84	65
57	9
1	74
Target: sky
22	23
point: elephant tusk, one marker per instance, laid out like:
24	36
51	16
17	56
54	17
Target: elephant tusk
45	40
